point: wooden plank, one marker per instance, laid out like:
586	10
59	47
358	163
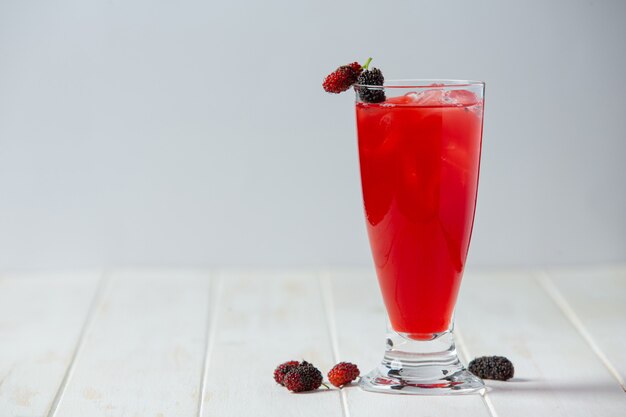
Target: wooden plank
556	372
594	299
359	320
264	319
41	317
143	355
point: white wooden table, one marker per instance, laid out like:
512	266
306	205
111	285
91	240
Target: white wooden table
174	343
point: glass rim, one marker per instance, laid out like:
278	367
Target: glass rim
429	83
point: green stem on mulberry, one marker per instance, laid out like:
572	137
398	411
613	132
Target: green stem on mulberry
367	63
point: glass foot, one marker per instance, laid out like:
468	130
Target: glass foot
421	367
461	382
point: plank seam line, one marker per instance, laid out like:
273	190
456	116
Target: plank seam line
555	294
215	292
331	325
460	342
86	327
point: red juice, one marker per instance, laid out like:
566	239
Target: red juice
419	156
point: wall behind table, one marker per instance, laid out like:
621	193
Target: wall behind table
196	133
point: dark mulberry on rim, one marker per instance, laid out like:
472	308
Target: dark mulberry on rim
371	77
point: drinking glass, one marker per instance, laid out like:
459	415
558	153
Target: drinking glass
419	150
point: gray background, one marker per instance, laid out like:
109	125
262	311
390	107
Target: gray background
191	133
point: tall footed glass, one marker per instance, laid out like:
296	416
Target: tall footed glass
419	151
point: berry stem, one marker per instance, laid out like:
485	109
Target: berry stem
367	63
324	384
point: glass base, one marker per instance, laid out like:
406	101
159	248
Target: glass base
422	367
